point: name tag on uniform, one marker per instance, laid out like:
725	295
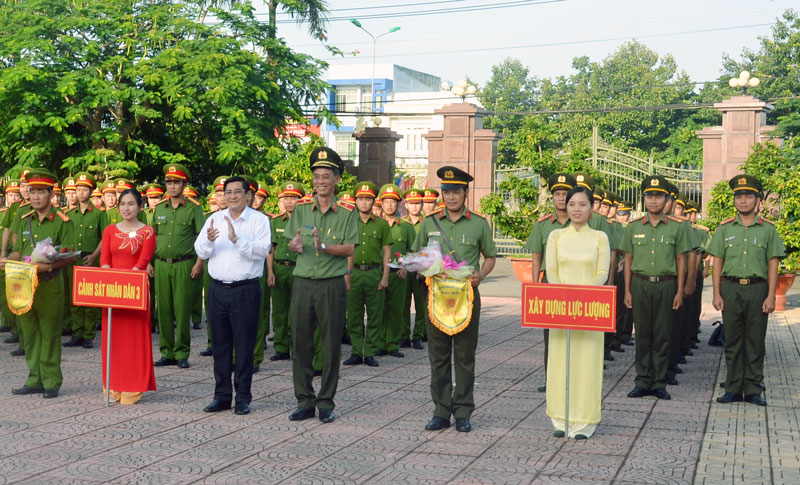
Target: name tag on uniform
639	236
730	238
278	230
161	218
434	233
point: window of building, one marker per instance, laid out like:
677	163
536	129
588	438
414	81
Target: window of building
345	146
366	106
347	99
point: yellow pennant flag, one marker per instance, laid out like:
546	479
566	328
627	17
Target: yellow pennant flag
21	283
449	303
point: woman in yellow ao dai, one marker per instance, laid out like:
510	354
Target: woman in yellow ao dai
576	255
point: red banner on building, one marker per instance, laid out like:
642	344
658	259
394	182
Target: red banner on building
572	307
297	131
110	288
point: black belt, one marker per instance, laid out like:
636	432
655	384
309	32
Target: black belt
655	279
176	260
366	267
744	281
285	262
234	284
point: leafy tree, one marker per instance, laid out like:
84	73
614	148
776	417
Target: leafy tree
313	13
123	87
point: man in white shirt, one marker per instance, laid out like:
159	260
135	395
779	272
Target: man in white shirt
236	242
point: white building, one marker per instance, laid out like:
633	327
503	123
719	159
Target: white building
403	98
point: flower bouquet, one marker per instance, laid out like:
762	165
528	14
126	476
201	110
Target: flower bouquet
429	261
46	252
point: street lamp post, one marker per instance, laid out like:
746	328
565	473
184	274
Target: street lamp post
374	47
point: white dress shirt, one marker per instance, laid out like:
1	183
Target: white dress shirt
228	262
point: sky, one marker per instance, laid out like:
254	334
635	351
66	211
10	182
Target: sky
545	37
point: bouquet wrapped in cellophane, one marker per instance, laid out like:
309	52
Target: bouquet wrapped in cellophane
429	261
46	252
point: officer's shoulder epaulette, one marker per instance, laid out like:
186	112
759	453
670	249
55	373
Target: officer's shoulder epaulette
675	219
304	202
276	216
704	228
477	214
28	214
728	220
767	220
162	201
637	219
193	201
343	205
63	216
437	211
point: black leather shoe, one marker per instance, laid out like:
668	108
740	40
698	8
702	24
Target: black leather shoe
396	353
417	344
271	339
676	370
197	326
404	344
689	353
216	406
628	342
437	423
542	388
353	360
74	342
558	434
300	414
730	397
326	415
317	372
280	356
183	363
64	333
662	394
25	390
581	437
241	408
462	425
164	362
18	352
607	356
671	380
682	360
11	339
639	392
87	344
207	352
4	329
617	348
755	399
380	353
370	361
51	393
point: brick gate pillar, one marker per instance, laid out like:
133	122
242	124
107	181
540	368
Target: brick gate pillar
726	147
376	148
465	144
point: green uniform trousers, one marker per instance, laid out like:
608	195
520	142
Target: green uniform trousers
364	293
460	348
66	323
174	292
263	323
8	318
84	318
393	322
281	299
41	327
417	289
317	305
745	330
653	319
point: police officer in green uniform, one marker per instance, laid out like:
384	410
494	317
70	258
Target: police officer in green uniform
416	286
280	266
624	314
177	222
41	325
323	233
430	202
746	251
18	200
88	223
703	238
470	237
559	185
370	277
655	267
403	235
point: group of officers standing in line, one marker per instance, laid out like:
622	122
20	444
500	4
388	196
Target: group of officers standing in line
328	266
658	264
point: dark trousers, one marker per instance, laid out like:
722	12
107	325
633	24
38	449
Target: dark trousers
234	315
624	314
460	350
317	304
745	330
653	318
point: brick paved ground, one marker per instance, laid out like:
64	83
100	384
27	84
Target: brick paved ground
378	435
